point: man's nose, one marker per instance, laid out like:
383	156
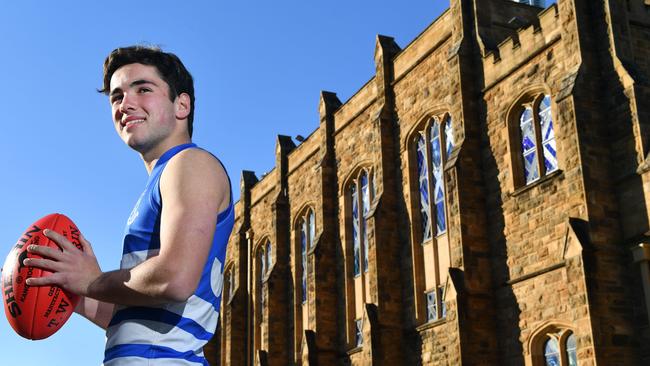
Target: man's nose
127	103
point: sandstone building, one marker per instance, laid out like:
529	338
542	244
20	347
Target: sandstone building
484	199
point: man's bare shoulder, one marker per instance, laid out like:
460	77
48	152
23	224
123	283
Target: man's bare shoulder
197	167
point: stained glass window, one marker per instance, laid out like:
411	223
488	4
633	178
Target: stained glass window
548	135
423	174
432	306
571	355
529	145
355	228
358	337
449	136
438	184
303	261
441	296
365	204
268	256
551	352
312	228
227	285
433	145
262	259
231	283
538	145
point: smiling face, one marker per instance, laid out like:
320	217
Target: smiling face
143	114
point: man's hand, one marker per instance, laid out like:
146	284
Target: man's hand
73	270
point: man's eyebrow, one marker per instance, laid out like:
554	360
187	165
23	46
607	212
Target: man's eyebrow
115	91
134	83
141	82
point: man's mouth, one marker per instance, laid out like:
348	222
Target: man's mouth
132	121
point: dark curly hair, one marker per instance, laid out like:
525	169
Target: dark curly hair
169	67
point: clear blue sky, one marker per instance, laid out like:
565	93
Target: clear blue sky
258	69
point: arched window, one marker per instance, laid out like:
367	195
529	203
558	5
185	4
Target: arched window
264	259
307	237
537	137
360	204
554	345
434	144
552	352
365	205
304	237
268	256
359	193
262	264
572	357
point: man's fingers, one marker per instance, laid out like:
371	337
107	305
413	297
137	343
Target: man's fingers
85	244
59	239
45	264
42	281
44	251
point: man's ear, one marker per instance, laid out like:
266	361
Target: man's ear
183	106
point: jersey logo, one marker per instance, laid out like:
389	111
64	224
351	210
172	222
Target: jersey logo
135	212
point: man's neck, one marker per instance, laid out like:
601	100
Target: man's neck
151	157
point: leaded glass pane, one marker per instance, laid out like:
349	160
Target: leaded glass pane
231	283
355	227
551	352
443	307
438	187
312	229
423	174
548	135
373	188
571	354
449	136
262	259
358	332
435	145
262	299
268	256
303	259
438	184
365	198
365	204
531	168
441	222
550	160
528	139
227	284
432	306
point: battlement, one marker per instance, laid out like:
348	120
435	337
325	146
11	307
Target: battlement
524	44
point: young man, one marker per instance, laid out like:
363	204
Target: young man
162	305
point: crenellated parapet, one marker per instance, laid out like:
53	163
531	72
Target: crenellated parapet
527	42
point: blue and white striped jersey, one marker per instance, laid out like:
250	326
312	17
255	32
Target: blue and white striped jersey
173	333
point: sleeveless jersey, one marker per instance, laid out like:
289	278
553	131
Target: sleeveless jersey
173	333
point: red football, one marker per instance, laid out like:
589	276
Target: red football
37	312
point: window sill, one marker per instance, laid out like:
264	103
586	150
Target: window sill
354	350
434	238
541	181
431	324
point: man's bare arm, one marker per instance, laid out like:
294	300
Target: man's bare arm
194	188
98	312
